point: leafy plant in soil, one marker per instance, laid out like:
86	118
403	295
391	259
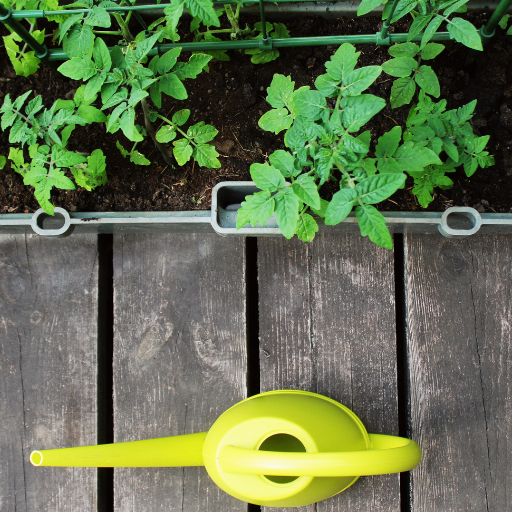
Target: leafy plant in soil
321	127
54	126
428	15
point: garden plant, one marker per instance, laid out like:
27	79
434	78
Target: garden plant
323	127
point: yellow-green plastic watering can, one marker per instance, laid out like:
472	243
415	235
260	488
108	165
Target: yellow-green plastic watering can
277	449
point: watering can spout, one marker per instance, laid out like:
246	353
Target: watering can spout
185	450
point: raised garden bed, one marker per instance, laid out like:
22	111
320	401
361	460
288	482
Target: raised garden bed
231	97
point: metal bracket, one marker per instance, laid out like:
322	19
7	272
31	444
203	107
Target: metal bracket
456	212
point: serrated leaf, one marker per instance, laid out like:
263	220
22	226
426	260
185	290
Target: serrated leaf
373	224
414	158
454	7
206	156
342	62
203	9
417	26
166	134
376	189
402	8
358	110
306	227
327	85
173	13
280	92
98	17
431	29
78	68
79	41
367	6
400	67
182	151
257	208
181	116
323	208
404	50
266	176
275	120
422	190
360	79
431	50
171	85
464	32
286	211
388	143
402	91
309	104
306	190
427	80
168	60
340	206
283	162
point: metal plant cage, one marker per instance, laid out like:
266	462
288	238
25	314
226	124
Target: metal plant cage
12	19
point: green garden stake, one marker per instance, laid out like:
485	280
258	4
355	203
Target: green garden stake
278	449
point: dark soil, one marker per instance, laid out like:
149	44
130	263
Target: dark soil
232	98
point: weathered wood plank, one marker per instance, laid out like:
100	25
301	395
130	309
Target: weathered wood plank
179	357
48	340
459	317
327	325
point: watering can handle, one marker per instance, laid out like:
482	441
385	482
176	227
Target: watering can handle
388	454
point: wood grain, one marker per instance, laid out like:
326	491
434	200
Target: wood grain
48	340
327	325
459	316
179	357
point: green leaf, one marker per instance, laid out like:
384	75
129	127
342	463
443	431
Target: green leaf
306	190
423	189
280	92
414	158
417	26
171	85
358	110
79	41
309	104
360	79
283	162
121	149
267	177
431	30
257	208
324	162
342	62
402	91
3	161
327	85
402	8
454	7
203	9
367	6
166	134
101	55
202	133
127	125
91	114
388	143
464	32
138	158
173	12
144	47
94	174
376	189
78	68
427	80
340	206
98	17
306	227
431	50
181	116
400	67
373	224
451	149
206	156
182	151
168	60
275	120
286	211
404	50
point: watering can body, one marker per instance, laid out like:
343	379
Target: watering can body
278	449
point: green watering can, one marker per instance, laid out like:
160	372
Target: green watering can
277	449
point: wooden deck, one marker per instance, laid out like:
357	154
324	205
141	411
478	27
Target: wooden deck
130	337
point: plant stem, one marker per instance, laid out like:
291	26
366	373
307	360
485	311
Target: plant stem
232	17
124	27
151	131
107	32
